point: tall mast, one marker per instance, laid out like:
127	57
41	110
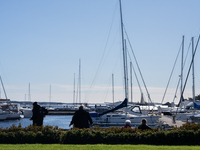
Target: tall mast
4	89
79	80
74	91
131	83
193	79
124	54
190	66
181	90
29	92
113	87
49	95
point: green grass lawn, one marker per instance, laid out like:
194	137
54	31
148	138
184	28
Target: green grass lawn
91	147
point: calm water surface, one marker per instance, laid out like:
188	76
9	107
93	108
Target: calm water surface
62	121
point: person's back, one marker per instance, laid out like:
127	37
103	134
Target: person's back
81	118
144	125
38	114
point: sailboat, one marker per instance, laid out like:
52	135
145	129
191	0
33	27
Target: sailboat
11	109
190	112
111	118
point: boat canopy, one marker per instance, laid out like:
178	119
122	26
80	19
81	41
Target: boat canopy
123	104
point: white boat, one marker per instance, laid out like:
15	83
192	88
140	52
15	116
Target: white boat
191	109
118	119
190	115
134	114
12	109
13	115
27	111
3	115
195	118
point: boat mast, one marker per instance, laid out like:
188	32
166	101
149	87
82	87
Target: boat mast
29	92
49	95
181	90
74	91
79	80
193	79
4	89
131	83
190	66
113	87
124	54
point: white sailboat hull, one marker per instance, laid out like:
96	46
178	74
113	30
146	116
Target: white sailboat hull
3	117
115	119
188	116
13	115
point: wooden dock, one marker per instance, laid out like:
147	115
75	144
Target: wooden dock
59	112
170	122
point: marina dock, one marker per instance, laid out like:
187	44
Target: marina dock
61	112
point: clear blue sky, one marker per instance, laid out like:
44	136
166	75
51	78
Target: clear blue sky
41	43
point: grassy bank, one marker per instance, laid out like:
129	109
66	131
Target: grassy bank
91	147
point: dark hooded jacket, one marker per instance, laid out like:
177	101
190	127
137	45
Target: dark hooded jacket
143	127
38	115
81	119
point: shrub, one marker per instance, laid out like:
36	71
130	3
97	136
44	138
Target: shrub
189	134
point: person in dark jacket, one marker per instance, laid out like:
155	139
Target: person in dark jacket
81	119
38	114
144	125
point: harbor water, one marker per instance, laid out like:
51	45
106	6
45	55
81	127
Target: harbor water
62	121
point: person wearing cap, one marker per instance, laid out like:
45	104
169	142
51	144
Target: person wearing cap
81	119
127	124
144	125
38	114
